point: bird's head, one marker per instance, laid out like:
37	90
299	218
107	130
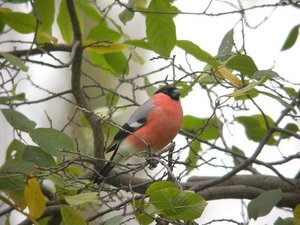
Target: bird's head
171	91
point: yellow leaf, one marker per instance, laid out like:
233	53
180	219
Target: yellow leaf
227	75
103	47
34	198
297	211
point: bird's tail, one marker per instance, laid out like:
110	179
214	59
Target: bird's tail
104	172
109	165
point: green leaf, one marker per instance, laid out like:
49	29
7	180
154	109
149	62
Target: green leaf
66	186
111	99
162	200
209	131
103	33
188	206
64	22
173	203
45	12
98	59
291	38
290	91
194	50
176	204
136	57
127	15
144	212
159	185
207	77
238	151
51	140
160	28
18	120
285	221
264	74
226	44
116	220
244	91
20	22
249	90
186	89
243	64
114	63
82	198
15	61
118	62
9	99
291	127
13	175
263	204
247	95
37	156
71	216
75	170
15	150
256	127
192	159
139	43
87	7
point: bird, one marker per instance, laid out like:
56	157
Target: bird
150	128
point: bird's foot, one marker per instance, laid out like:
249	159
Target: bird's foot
152	162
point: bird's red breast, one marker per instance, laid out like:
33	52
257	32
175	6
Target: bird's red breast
162	125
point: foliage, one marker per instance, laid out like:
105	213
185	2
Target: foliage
231	81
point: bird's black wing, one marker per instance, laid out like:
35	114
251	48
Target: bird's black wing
124	132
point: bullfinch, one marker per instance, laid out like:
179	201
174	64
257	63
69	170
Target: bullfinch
149	129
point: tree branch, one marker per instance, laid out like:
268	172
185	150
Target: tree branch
289	200
78	92
249	161
287	132
236	187
41	50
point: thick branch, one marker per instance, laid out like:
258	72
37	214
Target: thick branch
289	200
76	87
236	187
249	187
41	50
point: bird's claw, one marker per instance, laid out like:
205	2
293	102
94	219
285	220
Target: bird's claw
152	163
